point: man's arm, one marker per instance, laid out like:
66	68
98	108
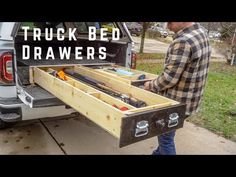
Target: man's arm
177	59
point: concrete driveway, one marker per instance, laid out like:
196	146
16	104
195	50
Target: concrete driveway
78	135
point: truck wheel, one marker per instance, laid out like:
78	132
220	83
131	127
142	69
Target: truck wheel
4	125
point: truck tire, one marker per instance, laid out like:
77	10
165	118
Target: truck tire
4	125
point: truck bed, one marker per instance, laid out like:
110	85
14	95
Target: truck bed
59	62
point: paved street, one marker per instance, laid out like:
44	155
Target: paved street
155	46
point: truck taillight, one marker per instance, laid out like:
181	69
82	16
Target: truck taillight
133	60
6	71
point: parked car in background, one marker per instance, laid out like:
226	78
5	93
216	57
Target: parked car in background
134	28
108	25
161	31
214	34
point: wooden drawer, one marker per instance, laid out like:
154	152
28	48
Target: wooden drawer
129	125
133	77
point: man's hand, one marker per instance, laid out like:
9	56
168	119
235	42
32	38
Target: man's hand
147	86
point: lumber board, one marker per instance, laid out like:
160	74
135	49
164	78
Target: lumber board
149	97
147	108
99	94
93	108
127	79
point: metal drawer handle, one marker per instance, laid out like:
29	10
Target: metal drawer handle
173	120
141	128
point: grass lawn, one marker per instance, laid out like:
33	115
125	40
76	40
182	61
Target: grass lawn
141	56
154	68
218	108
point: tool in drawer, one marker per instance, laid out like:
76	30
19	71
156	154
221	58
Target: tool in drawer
124	72
121	71
61	75
123	108
101	86
141	77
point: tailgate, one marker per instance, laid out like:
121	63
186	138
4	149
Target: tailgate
99	102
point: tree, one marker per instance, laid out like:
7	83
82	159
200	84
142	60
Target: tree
145	27
211	26
228	32
208	27
229	35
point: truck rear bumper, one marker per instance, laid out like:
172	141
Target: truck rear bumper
13	109
10	109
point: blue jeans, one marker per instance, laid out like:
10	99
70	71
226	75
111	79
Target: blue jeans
166	144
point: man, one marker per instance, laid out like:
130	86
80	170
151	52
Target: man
184	75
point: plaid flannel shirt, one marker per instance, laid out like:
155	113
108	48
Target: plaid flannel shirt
185	68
